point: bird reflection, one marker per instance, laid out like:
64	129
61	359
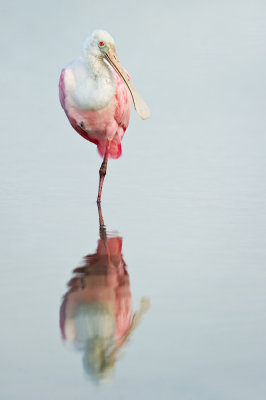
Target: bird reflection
96	314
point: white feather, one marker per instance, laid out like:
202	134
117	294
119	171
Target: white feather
87	89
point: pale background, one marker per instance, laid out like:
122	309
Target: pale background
188	197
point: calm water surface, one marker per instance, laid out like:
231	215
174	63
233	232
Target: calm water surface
169	300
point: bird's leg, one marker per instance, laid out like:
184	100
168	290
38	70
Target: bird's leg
103	233
102	171
102	228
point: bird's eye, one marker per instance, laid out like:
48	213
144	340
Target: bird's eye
101	44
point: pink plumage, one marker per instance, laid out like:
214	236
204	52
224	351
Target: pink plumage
94	125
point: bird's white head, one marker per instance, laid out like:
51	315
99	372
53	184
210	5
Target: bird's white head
98	43
101	44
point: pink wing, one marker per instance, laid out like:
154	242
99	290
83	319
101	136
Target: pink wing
122	116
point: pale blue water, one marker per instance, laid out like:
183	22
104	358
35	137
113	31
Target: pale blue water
188	198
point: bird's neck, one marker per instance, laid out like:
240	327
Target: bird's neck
96	66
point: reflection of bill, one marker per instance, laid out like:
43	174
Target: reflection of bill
96	314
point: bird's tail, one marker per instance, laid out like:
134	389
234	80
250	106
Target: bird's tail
115	149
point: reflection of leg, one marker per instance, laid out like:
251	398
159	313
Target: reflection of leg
102	171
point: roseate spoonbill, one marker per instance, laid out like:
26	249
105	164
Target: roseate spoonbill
96	314
95	92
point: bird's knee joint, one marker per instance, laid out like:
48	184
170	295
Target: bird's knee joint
102	171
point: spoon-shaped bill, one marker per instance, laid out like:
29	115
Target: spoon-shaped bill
139	104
